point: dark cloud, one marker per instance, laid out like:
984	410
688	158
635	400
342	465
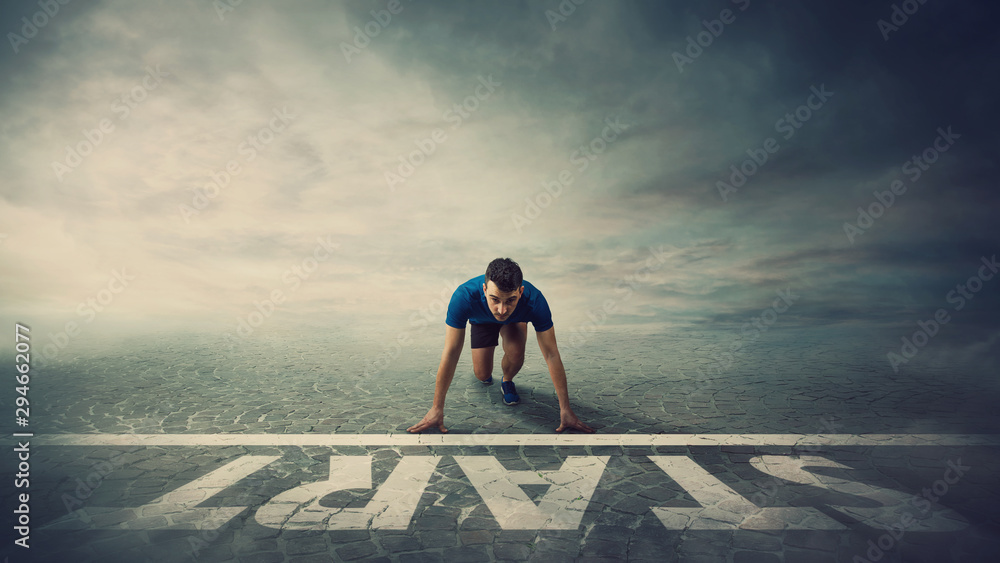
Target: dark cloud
653	187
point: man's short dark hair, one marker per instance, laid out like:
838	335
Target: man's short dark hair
505	273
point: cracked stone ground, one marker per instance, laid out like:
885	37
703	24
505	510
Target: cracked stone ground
621	382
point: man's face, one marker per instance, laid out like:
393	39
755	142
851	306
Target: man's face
501	304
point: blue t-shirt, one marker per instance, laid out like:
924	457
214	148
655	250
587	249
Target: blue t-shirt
468	304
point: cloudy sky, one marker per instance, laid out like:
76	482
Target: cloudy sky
378	154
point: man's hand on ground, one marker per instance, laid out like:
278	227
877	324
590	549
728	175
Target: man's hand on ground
434	417
567	419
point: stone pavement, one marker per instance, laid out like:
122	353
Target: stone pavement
753	501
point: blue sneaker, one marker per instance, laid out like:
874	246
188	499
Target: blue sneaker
510	396
489	381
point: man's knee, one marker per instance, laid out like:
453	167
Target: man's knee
482	372
482	366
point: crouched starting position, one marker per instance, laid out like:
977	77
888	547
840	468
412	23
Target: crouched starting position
498	304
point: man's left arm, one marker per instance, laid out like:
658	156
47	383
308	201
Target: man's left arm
547	344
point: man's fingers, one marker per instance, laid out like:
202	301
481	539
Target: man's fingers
422	425
578	425
425	424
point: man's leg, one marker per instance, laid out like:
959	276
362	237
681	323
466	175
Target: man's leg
482	362
484	339
514	337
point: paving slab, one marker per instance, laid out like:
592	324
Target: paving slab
187	447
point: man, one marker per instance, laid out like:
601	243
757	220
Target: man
499	303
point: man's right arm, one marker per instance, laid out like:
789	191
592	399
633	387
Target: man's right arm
454	339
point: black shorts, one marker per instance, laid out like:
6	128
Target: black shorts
485	335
